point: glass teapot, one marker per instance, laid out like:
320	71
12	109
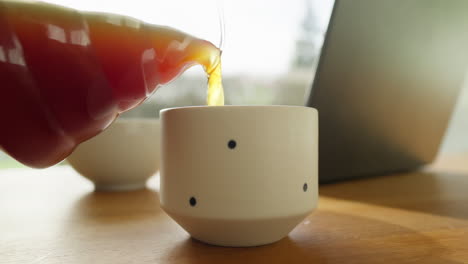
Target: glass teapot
66	75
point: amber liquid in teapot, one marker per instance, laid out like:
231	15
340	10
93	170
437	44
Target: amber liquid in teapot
66	75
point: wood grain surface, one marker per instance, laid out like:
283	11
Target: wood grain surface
53	216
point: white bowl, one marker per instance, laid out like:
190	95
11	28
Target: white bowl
122	157
239	175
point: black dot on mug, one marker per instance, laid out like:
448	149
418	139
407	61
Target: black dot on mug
193	201
232	144
304	187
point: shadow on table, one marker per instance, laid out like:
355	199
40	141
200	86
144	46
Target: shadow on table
195	252
116	207
442	194
324	237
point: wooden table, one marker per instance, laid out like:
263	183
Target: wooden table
53	216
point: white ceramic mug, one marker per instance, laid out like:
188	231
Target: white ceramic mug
239	175
122	157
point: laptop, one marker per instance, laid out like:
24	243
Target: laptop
387	82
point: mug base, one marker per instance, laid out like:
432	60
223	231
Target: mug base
238	232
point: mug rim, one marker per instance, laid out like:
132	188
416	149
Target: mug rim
231	107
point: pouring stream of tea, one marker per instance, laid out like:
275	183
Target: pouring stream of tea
215	95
